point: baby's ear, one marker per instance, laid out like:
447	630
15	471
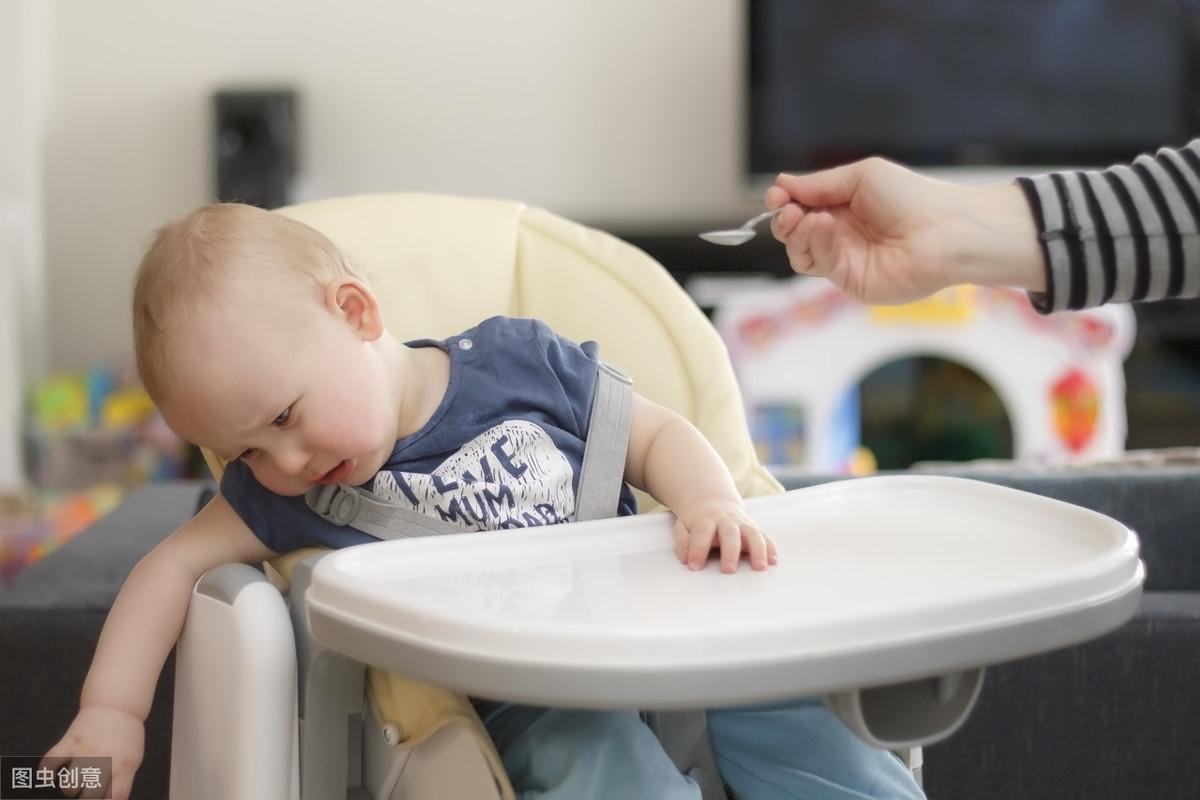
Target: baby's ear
351	300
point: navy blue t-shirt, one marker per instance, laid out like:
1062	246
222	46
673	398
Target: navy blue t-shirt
502	450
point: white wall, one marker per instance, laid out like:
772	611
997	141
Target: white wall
609	111
23	39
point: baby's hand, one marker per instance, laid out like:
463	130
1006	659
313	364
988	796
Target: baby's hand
721	522
99	731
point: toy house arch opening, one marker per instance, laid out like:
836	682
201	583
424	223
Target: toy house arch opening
801	348
919	408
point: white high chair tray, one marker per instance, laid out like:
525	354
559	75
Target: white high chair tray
880	580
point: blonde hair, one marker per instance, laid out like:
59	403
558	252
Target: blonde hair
193	258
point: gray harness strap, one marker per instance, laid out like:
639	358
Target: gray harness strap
597	497
351	505
603	469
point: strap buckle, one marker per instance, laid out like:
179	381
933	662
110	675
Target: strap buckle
338	504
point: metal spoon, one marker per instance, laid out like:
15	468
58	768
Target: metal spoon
741	235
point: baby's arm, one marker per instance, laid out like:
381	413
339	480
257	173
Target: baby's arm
671	460
142	627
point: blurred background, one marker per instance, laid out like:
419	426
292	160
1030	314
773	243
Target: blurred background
652	120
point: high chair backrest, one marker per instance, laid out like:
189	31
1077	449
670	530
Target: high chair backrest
441	264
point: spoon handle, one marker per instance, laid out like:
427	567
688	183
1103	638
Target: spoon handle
754	221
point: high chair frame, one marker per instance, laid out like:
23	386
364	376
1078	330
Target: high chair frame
439	265
299	719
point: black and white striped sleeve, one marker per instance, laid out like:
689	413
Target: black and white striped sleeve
1124	234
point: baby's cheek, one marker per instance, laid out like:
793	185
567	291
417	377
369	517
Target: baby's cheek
347	435
278	484
348	427
267	478
351	418
375	419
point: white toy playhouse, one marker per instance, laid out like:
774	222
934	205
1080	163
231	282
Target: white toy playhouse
801	347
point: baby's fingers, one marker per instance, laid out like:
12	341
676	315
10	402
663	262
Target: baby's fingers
100	790
71	789
729	533
700	543
57	756
682	538
61	755
122	786
64	755
759	547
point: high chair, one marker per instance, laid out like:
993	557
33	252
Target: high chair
891	596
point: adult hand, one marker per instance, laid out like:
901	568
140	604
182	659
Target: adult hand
885	234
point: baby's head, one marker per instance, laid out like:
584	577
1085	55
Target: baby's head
257	339
211	257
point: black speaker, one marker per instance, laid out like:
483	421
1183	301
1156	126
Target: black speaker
255	146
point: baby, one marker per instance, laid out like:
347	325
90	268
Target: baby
259	341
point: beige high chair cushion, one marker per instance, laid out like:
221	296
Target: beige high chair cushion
442	264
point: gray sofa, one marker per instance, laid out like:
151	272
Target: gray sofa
1113	718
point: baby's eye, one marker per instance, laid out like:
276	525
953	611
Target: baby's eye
282	419
248	453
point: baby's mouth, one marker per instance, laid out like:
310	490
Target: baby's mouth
337	474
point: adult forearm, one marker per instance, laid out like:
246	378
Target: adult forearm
142	627
995	240
1123	234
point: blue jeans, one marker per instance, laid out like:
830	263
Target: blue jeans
782	751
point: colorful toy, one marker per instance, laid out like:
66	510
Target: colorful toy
33	526
96	428
60	403
89	436
801	347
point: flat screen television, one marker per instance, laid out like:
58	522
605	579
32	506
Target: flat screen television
968	82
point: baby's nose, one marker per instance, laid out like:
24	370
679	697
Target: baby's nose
293	461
